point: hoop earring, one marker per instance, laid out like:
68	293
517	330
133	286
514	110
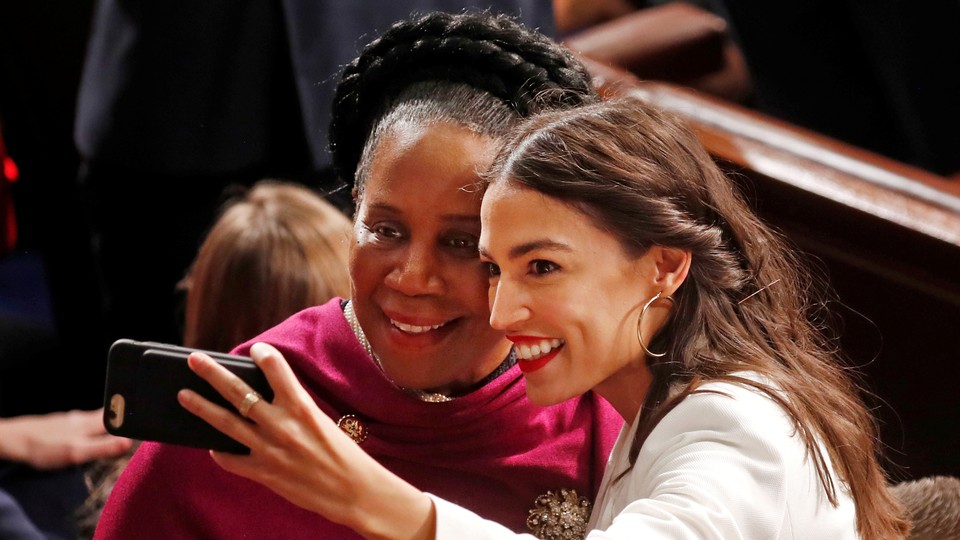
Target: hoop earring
640	322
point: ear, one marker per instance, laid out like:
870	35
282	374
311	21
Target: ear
673	265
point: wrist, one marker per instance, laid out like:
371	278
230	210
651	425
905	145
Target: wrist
395	510
12	440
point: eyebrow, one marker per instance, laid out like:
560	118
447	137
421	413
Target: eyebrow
469	219
527	247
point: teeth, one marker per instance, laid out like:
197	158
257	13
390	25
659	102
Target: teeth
536	350
414	329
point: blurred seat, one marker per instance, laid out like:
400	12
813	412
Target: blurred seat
673	42
873	211
933	504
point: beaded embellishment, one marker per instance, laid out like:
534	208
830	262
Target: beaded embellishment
352	426
560	516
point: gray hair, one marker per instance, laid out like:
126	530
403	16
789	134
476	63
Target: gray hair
432	102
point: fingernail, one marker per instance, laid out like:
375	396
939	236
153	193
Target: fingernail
259	350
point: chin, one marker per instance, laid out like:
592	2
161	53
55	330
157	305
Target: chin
543	397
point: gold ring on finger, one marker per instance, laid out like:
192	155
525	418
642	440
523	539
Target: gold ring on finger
249	400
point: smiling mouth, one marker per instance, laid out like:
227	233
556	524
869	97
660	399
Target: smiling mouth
414	329
537	350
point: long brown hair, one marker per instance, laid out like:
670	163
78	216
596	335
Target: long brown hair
278	249
642	175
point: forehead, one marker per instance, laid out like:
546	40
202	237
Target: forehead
513	214
433	167
507	199
509	209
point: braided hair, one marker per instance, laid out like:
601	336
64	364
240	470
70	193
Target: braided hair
481	70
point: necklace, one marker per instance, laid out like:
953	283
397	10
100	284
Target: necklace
430	397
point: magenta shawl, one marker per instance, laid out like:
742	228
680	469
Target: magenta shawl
491	451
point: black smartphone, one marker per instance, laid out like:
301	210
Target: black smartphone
140	400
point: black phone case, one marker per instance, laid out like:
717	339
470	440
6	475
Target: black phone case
140	400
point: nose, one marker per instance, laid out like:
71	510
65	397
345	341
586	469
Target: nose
418	273
507	306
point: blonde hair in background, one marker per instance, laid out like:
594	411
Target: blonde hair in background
275	250
278	249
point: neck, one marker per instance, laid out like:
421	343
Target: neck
626	390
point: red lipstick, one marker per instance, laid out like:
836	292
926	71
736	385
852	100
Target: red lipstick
529	366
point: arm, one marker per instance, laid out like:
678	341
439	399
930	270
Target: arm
58	439
300	453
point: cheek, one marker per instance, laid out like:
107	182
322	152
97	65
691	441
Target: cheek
355	249
471	283
585	317
364	266
567	307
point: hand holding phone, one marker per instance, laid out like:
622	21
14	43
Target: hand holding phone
140	401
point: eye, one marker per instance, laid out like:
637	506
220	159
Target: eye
493	269
386	231
463	243
541	267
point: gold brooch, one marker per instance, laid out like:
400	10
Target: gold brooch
352	426
560	516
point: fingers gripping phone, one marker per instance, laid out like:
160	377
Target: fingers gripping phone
140	400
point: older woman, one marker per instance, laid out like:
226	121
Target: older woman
408	367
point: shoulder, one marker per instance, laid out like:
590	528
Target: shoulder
726	462
718	454
730	432
326	355
314	319
311	328
733	408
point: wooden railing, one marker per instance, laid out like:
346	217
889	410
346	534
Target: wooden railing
874	212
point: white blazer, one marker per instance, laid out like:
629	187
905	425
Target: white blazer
725	464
